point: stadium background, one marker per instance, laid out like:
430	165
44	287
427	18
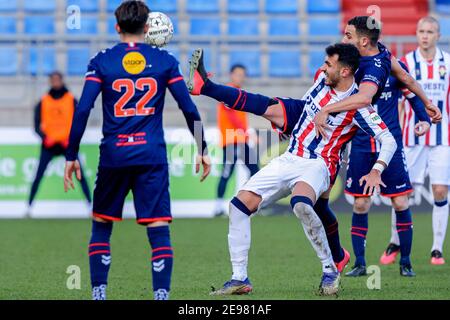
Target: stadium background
280	41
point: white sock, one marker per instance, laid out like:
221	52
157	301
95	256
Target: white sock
440	220
394	234
316	235
239	238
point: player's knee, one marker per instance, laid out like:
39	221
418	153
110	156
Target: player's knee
400	203
440	192
101	220
250	199
157	224
361	205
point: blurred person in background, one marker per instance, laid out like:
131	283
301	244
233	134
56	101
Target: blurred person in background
235	140
52	122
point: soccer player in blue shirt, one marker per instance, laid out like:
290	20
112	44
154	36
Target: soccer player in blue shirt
363	154
376	65
132	77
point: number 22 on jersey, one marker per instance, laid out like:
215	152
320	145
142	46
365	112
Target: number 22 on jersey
130	90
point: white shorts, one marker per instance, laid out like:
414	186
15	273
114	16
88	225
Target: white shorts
276	180
432	160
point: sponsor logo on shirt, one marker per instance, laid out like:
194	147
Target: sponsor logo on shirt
134	62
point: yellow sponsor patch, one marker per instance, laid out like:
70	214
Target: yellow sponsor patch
134	63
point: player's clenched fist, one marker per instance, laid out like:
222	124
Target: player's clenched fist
71	167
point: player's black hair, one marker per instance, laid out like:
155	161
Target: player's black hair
348	54
132	16
368	27
237	66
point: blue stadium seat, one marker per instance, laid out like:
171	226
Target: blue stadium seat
246	26
39	25
281	6
316	59
77	60
8	61
174	50
166	6
284	27
284	64
111	5
324	6
85	5
195	6
445	26
40	60
111	25
443	6
205	26
249	58
8	25
247	6
8	5
88	26
324	26
174	19
40	5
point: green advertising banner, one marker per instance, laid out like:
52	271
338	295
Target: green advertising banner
19	157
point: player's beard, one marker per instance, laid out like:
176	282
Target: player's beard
331	79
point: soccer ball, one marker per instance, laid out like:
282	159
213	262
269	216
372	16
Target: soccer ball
160	29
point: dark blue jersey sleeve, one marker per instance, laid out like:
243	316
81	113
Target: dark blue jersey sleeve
375	75
416	103
90	93
292	109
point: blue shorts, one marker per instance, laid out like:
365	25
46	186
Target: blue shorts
149	185
395	176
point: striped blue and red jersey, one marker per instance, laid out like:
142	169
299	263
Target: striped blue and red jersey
342	126
434	76
133	78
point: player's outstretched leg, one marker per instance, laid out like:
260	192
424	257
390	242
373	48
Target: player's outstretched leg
314	231
390	254
100	258
234	98
341	257
162	260
239	239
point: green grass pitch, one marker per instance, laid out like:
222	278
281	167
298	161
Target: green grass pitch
35	255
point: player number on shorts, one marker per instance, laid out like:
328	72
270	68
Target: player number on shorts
130	87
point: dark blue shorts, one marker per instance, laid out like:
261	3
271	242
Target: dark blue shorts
150	188
395	176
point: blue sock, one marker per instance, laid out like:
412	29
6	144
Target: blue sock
237	99
331	226
162	260
99	253
360	225
405	234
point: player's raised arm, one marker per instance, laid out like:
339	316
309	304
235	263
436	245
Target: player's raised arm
91	90
413	86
